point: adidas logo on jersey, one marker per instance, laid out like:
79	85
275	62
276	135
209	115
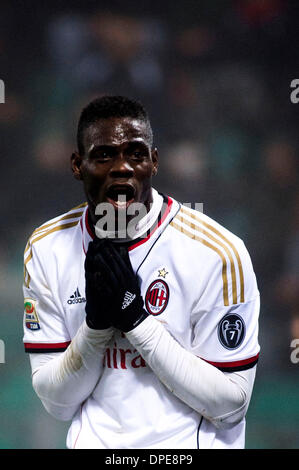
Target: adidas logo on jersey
128	298
76	298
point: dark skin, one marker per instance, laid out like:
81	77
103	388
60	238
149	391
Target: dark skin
118	158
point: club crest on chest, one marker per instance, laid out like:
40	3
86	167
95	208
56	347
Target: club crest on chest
157	297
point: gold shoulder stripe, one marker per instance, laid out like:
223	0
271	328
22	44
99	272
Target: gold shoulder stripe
73	215
84	204
194	227
226	240
193	236
54	229
30	243
40	229
26	277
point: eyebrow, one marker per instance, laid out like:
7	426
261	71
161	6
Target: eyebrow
95	148
134	143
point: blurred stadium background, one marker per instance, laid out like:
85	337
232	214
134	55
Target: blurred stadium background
215	77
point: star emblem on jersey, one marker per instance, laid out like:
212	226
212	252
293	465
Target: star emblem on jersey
128	299
157	297
162	273
231	331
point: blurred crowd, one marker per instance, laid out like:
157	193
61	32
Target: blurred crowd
215	78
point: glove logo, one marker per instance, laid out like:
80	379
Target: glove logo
128	299
157	296
231	331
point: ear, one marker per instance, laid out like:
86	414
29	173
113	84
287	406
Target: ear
155	160
76	161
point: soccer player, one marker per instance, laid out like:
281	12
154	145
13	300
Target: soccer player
141	314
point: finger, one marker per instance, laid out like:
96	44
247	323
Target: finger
106	290
98	278
118	265
89	259
106	270
103	286
120	253
88	263
93	247
98	243
106	255
123	251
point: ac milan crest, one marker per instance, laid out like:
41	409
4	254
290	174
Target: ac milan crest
157	296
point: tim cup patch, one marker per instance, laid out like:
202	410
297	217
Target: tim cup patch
31	318
157	296
231	331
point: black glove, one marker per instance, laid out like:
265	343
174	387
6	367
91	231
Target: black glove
97	299
121	285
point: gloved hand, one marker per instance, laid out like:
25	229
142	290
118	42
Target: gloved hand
98	303
121	286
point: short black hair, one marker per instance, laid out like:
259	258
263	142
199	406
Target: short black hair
106	107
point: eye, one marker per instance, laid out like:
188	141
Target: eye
138	154
103	156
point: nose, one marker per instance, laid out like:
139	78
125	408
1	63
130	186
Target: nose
121	167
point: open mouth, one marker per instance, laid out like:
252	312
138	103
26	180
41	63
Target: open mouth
120	195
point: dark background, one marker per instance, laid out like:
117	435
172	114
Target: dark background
215	77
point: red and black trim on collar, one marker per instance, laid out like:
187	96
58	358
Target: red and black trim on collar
46	347
166	207
235	366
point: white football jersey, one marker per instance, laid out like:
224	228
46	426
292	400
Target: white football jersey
196	279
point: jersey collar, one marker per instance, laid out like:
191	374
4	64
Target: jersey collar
156	221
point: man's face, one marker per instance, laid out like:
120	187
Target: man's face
118	163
